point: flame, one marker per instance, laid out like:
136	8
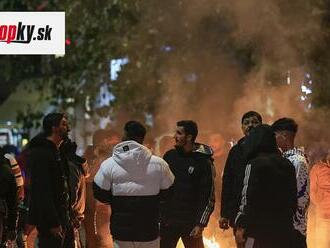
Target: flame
208	243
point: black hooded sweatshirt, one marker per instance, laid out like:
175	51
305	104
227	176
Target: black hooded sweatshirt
49	205
269	195
190	200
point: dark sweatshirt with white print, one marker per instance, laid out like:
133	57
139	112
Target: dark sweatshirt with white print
190	201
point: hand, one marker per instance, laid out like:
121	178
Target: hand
76	222
239	237
224	223
24	240
11	158
197	232
57	231
28	229
11	235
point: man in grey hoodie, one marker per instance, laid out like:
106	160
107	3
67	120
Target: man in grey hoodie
130	181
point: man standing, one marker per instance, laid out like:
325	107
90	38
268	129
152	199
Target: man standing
50	203
190	201
77	170
232	179
268	199
285	130
131	181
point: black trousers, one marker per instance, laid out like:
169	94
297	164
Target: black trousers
271	240
48	240
169	237
299	240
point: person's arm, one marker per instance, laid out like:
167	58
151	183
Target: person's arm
227	187
302	185
12	203
292	189
207	198
102	184
167	177
249	196
18	175
314	185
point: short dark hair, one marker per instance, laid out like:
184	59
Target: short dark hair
101	134
51	120
190	127
250	114
285	124
134	130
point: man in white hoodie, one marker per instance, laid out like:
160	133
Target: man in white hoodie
130	181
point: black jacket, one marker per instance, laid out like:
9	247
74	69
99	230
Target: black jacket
77	170
269	195
8	194
232	182
190	200
49	205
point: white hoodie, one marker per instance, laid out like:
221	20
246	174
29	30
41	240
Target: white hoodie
133	171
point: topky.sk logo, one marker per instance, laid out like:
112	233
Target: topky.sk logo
32	32
21	33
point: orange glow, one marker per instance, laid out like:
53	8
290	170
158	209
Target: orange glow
208	243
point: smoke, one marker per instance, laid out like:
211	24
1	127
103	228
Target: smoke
227	58
224	58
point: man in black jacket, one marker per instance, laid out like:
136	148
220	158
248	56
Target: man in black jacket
269	195
50	203
232	179
188	204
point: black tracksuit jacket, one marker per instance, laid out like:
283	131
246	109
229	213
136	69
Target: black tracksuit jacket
190	200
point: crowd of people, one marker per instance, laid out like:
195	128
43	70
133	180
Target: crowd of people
123	192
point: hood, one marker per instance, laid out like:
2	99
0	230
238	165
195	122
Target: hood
131	153
261	139
40	141
202	149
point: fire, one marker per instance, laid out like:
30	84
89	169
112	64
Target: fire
208	243
211	243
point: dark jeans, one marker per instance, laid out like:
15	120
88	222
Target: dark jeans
299	240
48	240
170	236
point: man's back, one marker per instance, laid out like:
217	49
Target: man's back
270	195
133	178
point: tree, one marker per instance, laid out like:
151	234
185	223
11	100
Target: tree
181	53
